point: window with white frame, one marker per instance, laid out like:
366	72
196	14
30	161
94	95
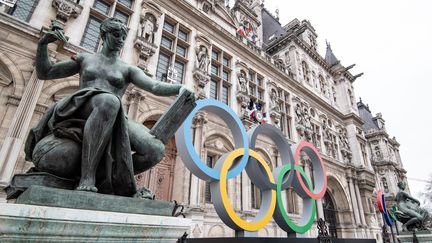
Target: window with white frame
101	10
220	70
23	9
173	51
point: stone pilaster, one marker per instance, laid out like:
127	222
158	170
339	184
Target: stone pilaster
360	204
353	200
199	120
18	130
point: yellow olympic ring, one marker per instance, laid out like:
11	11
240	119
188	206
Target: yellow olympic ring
261	220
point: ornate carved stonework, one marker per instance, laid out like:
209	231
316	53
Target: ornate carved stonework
66	9
200	119
201	80
146	50
303	120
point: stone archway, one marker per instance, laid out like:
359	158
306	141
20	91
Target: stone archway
160	178
337	211
330	214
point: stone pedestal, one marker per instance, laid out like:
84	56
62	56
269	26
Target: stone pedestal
29	223
422	236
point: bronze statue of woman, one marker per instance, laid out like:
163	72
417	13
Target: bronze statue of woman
93	118
409	211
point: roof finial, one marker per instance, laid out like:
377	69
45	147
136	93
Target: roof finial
277	14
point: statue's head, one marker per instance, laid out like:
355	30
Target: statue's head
402	185
113	32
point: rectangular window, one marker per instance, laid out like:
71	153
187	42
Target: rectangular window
215	55
225	94
168	27
180	71
23	10
181	51
214	70
252	90
225	75
102	7
127	3
183	35
260	95
162	68
210	163
225	62
91	36
167	43
213	89
260	81
122	16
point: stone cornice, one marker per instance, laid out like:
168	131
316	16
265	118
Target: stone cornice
354	119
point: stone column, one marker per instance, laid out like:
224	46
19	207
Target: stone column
353	199
18	130
246	192
198	121
360	204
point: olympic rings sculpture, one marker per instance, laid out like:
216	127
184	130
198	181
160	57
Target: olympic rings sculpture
389	217
245	157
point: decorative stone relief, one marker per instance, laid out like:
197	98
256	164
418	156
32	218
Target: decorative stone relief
303	119
275	111
200	119
344	145
66	9
202	62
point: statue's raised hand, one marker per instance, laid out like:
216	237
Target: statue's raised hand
56	33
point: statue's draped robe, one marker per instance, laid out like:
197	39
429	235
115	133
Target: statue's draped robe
115	174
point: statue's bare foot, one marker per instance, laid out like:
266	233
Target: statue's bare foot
88	187
144	193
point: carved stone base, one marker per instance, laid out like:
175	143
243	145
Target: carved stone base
146	50
29	223
422	236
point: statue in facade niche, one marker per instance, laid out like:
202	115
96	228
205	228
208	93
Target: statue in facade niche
274	101
409	212
343	139
202	58
243	83
87	136
148	28
299	114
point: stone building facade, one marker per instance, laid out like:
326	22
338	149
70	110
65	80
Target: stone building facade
240	55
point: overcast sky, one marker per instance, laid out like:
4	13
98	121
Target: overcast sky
390	41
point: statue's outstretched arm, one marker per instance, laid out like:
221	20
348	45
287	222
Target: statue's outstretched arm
45	69
141	80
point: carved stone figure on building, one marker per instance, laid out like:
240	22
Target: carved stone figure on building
202	58
274	101
343	139
148	28
299	114
243	83
326	131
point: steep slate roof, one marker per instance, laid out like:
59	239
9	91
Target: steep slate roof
330	58
270	26
367	117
